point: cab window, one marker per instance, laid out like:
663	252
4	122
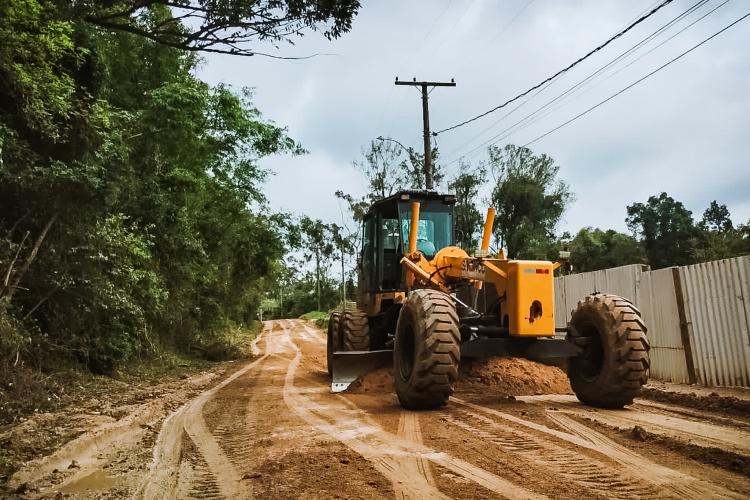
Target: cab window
435	228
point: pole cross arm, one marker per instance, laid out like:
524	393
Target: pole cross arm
426	84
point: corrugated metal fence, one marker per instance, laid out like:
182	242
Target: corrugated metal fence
698	316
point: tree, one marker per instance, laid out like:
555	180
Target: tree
383	168
595	249
416	176
467	218
529	199
743	239
716	218
317	243
718	238
666	228
131	206
221	27
385	172
345	243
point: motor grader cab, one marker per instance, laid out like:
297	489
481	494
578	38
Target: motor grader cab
424	304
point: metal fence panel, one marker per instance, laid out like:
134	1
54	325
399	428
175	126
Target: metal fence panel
561	304
658	305
717	308
623	281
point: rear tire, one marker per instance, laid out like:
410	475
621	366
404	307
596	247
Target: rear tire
615	363
333	342
355	330
426	352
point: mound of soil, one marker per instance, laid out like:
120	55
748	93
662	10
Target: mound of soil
378	382
515	376
506	376
713	456
728	405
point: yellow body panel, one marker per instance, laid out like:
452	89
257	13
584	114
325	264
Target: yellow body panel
527	285
531	298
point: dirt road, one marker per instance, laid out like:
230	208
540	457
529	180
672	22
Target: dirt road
274	429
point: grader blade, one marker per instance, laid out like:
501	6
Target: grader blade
349	365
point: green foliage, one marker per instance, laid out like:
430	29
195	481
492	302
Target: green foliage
223	27
671	237
314	315
319	318
321	244
131	205
718	238
595	249
529	199
467	218
387	172
36	50
716	218
666	228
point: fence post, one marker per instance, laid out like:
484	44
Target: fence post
684	325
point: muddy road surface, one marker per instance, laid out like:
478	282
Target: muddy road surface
273	429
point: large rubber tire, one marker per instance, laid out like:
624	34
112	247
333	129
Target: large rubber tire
615	363
333	342
355	331
426	352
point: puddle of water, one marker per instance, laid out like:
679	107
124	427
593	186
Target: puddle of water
96	481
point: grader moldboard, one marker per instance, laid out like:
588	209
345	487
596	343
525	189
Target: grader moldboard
425	304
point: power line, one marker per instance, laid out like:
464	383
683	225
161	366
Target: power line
534	116
579	115
670	38
567	68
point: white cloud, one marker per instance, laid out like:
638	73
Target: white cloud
683	131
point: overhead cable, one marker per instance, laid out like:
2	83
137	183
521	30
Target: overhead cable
567	68
674	59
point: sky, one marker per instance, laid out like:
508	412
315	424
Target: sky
685	130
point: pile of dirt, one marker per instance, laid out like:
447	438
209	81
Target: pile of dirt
507	376
378	382
725	459
728	405
514	376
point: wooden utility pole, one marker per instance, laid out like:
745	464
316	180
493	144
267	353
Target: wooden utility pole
427	167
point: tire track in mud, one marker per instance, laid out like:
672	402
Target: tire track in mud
196	479
658	420
594	475
316	335
234	412
385	450
669	481
681	411
163	476
417	466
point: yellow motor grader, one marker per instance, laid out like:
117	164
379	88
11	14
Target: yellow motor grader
424	304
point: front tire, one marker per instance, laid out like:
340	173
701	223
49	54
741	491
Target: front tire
426	352
615	362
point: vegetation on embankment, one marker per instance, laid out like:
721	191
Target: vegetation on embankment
25	389
132	221
314	315
320	318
